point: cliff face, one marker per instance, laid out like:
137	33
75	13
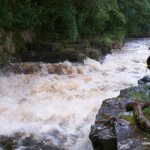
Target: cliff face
24	46
12	42
116	127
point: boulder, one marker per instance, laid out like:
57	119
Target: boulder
103	48
19	141
49	53
74	52
115	127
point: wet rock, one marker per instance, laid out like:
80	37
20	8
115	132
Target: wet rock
123	130
105	49
74	52
111	107
114	127
93	53
103	138
148	62
8	143
26	143
144	80
118	45
45	47
51	55
132	144
72	56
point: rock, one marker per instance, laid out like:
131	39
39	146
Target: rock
123	130
8	143
114	127
93	53
49	53
45	47
105	49
53	53
103	138
131	144
117	45
52	57
72	56
144	80
21	45
148	62
26	143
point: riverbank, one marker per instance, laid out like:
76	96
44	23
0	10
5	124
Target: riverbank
116	127
24	46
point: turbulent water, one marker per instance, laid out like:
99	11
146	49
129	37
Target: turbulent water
59	102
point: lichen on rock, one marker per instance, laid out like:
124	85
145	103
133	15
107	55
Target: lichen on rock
120	131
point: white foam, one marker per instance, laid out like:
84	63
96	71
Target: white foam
41	103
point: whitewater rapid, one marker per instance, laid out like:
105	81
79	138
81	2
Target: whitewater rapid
61	104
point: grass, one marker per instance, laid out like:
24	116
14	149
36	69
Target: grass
147	112
129	119
143	96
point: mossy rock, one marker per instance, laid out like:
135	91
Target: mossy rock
130	119
147	112
93	53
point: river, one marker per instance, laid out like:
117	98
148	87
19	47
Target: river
62	106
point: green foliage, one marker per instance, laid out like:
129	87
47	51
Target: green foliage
142	95
28	16
19	14
76	19
129	119
2	38
18	41
147	112
6	15
111	37
137	15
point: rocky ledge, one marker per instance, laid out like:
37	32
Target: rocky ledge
118	126
73	52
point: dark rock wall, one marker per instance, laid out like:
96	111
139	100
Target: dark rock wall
75	52
25	46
